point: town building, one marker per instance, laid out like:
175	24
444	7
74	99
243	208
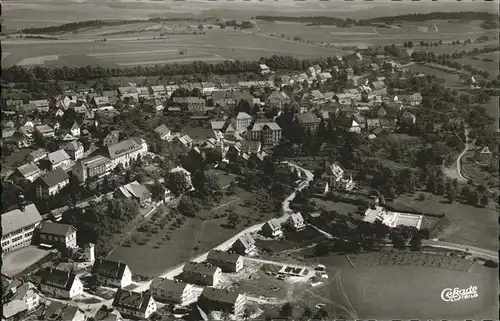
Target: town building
173	292
268	133
74	149
296	222
45	131
75	130
192	104
182	171
242	121
57	311
277	99
60	235
58	159
112	138
111	273
18	226
337	178
135	304
244	245
126	151
61	284
28	172
95	166
134	191
42	105
163	132
309	122
51	183
392	219
158	91
128	92
228	262
107	314
201	274
272	228
483	154
24	301
222	300
37	155
264	69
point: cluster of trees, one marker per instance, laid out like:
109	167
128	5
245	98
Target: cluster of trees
233	23
419	17
26	75
313	21
101	221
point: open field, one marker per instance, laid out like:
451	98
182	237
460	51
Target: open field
478	63
26	13
371	292
17	261
339	207
450	79
477	226
130	51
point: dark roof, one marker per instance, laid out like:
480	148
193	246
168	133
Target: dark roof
56	229
58	278
137	301
169	285
109	269
162	130
250	147
219	295
221	256
198	133
307	118
60	312
54	177
199	268
122	148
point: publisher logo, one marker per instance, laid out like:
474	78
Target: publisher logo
456	294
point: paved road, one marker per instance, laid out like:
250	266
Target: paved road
459	158
492	255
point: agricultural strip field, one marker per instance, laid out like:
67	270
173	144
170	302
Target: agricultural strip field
368	35
112	53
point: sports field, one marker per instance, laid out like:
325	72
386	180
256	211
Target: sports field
388	292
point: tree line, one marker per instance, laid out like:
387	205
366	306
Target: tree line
24	75
418	17
75	26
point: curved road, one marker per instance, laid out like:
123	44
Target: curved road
459	158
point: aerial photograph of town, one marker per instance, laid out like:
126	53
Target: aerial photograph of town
250	160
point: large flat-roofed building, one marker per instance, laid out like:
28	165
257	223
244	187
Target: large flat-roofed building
392	219
18	227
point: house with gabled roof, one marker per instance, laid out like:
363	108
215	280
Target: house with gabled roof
45	130
126	150
267	132
74	149
51	183
60	235
171	291
41	105
158	91
61	284
228	262
163	132
272	229
18	226
37	155
25	300
112	273
309	122
408	118
264	69
58	159
28	171
244	245
483	154
107	314
57	311
134	191
135	304
296	222
222	300
201	274
242	121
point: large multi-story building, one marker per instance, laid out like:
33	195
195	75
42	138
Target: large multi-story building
61	235
201	274
222	300
18	227
310	122
191	104
267	133
242	121
173	291
127	150
94	166
61	284
111	273
136	304
51	183
228	262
